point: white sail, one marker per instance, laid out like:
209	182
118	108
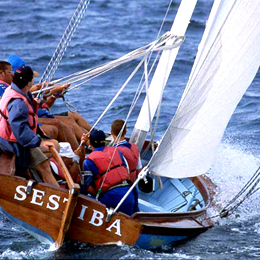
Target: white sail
162	72
226	63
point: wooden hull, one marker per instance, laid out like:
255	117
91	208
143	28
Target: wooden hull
41	212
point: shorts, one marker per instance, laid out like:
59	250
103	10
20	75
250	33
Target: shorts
36	157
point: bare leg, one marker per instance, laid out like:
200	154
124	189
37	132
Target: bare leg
45	173
50	130
66	133
80	120
78	131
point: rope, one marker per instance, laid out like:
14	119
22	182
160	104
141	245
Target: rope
64	42
89	74
229	209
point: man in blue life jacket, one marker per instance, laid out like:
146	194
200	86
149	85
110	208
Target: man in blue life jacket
18	126
109	175
6	76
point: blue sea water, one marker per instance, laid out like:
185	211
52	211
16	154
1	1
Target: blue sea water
32	29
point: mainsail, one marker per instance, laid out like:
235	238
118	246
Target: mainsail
227	61
162	73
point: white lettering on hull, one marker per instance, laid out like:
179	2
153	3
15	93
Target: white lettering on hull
20	192
37	194
97	215
52	201
97	218
82	212
116	225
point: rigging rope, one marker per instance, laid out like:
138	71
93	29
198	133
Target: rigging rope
63	44
230	208
89	74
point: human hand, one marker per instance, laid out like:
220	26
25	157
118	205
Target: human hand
42	85
46	144
85	139
57	91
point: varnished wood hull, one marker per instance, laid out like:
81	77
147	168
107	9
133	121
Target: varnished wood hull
40	213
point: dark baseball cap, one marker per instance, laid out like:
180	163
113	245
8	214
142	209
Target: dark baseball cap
97	137
24	73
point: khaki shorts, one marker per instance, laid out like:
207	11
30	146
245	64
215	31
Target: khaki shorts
36	157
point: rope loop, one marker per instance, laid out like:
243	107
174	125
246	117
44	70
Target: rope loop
70	107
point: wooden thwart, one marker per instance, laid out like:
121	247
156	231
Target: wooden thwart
74	189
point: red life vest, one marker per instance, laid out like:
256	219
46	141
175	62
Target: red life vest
5	128
132	157
117	172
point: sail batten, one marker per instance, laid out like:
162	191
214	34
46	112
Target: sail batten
227	61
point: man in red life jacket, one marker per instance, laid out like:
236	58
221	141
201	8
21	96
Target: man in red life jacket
18	125
129	150
110	178
66	127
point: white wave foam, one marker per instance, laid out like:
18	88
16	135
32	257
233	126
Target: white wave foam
232	169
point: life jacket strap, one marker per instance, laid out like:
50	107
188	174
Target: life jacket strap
3	115
122	184
112	168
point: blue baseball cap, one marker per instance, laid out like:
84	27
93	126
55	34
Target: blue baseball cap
16	63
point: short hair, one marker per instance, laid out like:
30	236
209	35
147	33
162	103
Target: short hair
117	125
3	65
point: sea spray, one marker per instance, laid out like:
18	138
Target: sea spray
232	169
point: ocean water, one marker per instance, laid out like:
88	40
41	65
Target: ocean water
32	29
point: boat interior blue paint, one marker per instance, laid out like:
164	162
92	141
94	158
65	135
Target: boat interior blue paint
177	195
39	234
148	241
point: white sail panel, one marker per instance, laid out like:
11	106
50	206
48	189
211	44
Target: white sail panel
164	67
227	62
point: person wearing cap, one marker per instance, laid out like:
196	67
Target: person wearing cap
18	126
129	150
6	76
65	128
110	179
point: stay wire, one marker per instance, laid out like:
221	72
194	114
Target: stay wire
228	209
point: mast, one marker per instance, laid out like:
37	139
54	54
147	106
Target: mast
162	73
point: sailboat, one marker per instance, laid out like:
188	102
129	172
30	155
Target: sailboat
176	207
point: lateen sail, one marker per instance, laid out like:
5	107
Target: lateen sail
226	63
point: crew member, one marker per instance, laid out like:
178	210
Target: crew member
6	76
110	177
18	126
129	150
